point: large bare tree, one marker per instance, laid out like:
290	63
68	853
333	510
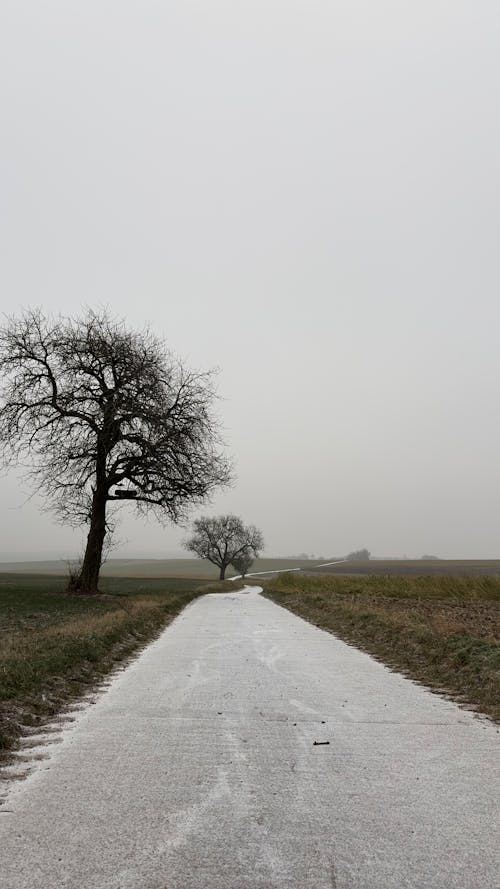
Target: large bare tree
101	414
224	540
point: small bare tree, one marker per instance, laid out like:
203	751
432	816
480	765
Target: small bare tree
103	414
242	563
224	539
358	555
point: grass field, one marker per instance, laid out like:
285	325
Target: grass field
175	568
441	631
54	647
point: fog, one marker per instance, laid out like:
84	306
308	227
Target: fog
304	194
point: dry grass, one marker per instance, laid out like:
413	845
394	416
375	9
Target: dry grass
54	648
441	631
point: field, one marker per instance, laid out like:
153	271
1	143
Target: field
175	568
416	567
441	631
55	647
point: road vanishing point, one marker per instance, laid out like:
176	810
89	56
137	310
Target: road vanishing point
247	749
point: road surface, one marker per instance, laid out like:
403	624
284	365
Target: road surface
246	749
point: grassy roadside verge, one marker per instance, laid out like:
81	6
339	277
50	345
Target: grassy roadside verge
54	648
442	631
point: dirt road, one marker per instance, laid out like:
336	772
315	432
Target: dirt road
246	749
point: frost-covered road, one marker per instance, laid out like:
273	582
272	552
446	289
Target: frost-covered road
204	766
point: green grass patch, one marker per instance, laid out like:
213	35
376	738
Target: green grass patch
54	647
441	631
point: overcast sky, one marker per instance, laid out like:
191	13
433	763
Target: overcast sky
305	194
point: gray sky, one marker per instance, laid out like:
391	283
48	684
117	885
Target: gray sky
303	193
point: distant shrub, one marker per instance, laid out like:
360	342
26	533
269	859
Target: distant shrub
359	555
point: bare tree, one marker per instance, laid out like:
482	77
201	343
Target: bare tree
242	563
358	555
103	414
224	538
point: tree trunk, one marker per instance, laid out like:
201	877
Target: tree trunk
87	581
222	575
